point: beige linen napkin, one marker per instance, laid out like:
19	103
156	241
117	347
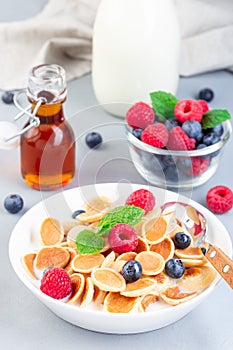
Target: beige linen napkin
62	34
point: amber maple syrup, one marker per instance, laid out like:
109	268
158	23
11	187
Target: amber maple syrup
48	151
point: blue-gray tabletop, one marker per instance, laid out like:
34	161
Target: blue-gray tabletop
25	323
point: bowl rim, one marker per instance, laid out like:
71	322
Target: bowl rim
194	153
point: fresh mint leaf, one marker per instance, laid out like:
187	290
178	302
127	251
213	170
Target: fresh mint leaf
88	242
128	214
214	117
163	104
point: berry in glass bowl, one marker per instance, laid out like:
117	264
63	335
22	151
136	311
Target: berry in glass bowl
183	149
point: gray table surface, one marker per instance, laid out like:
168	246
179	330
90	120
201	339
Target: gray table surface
25	323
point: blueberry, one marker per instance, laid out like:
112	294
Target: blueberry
199	137
215	154
171	123
132	271
151	162
174	268
206	94
171	173
137	133
47	269
13	203
210	138
192	128
201	146
217	129
8	97
160	164
93	139
203	250
184	163
77	212
167	160
182	240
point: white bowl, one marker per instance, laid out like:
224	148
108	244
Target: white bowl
25	239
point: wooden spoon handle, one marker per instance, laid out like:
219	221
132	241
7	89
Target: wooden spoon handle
221	262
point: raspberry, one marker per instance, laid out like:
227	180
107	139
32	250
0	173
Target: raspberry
204	106
122	238
199	166
179	141
188	110
155	135
143	199
219	199
140	115
56	283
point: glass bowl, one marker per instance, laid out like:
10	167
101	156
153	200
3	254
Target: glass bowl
176	169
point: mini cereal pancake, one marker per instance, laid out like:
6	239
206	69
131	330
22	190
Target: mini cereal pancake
194	262
140	287
28	262
94	225
108	279
109	260
78	283
117	303
126	256
197	278
96	209
170	220
147	300
99	295
99	204
138	226
192	214
152	263
153	214
165	248
52	256
179	228
86	263
51	232
189	253
69	224
162	281
154	230
173	296
118	265
73	253
88	293
142	246
63	244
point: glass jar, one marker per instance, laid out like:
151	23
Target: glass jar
48	150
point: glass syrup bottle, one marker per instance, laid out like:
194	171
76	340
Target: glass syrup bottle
48	150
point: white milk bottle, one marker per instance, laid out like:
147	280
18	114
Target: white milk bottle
135	51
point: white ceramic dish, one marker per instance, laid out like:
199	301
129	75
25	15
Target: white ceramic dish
25	238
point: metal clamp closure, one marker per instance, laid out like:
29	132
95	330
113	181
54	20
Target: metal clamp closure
33	120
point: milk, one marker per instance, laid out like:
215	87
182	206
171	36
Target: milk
135	51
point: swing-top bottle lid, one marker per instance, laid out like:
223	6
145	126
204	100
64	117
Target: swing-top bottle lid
47	81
